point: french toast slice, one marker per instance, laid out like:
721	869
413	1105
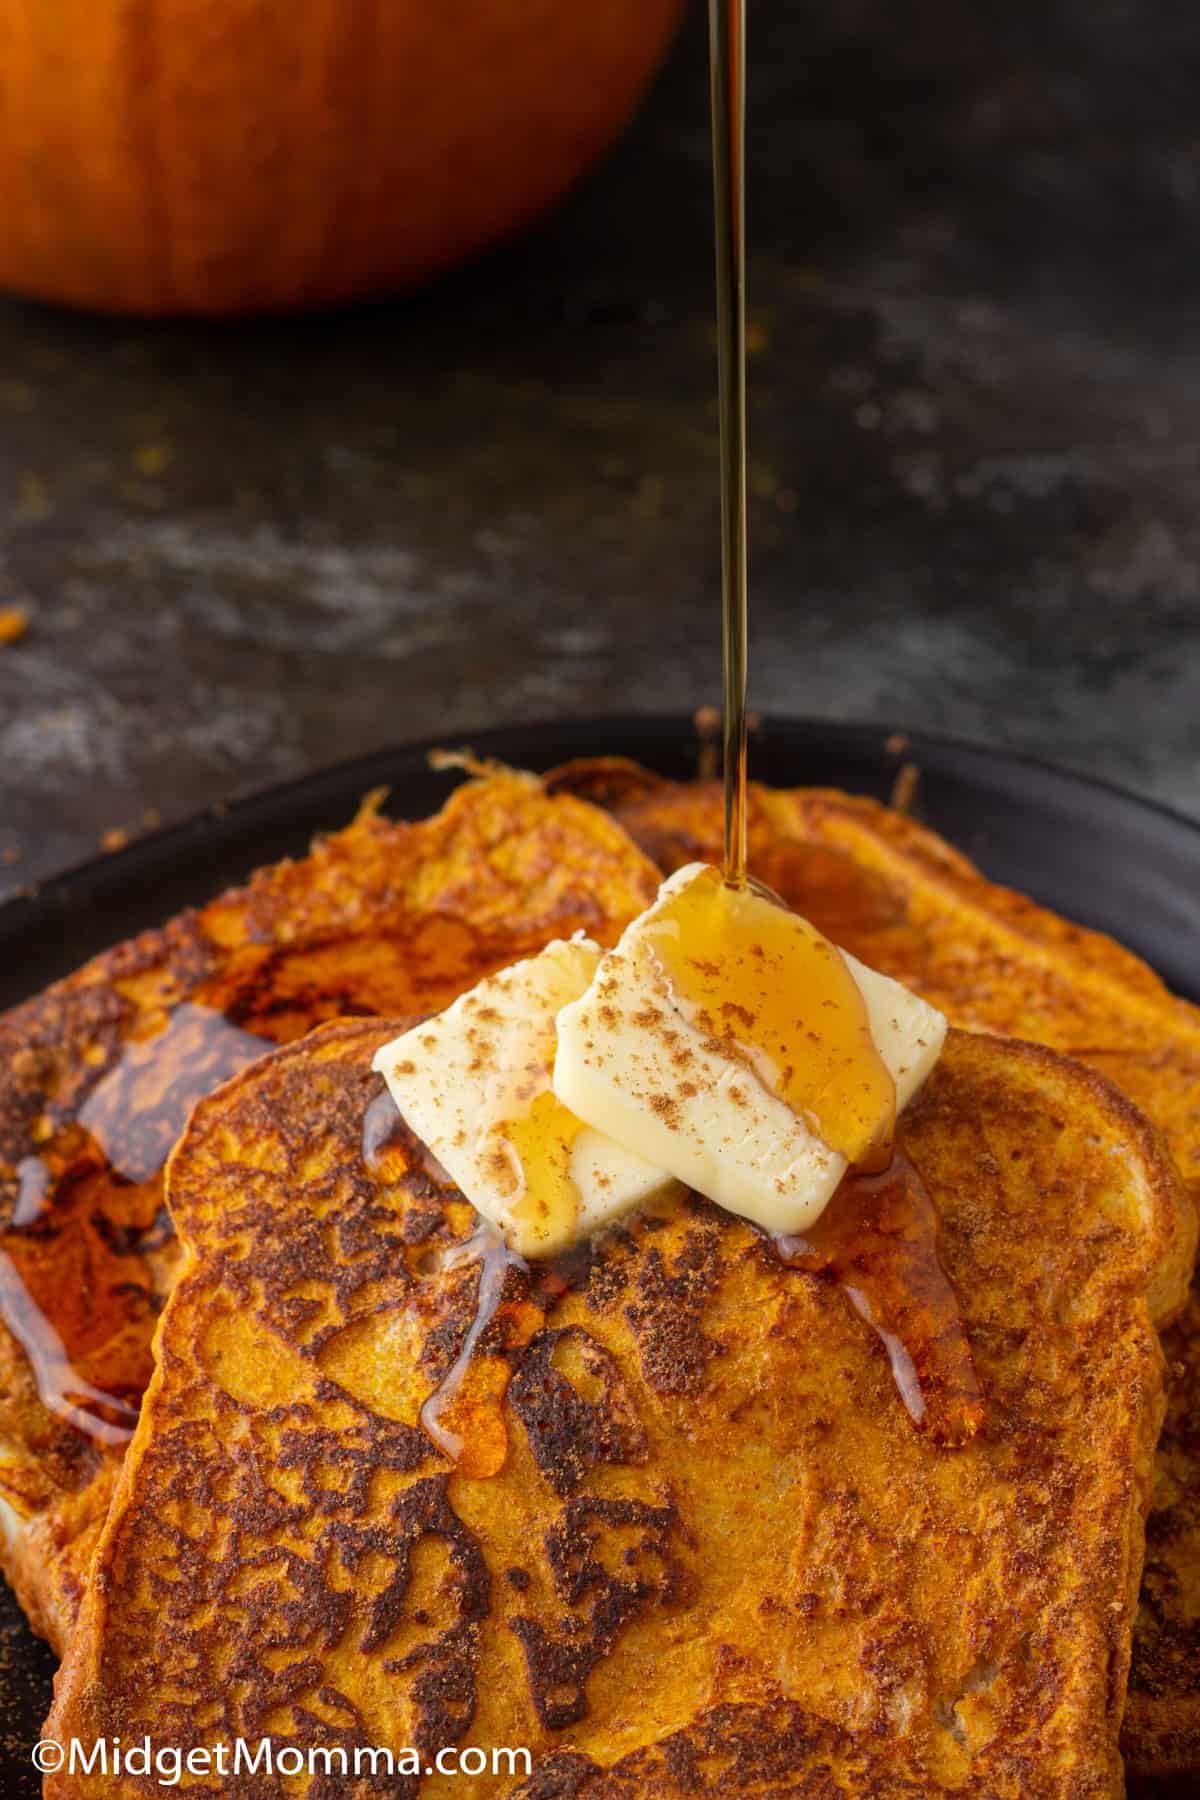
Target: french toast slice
328	934
901	899
718	1556
98	1074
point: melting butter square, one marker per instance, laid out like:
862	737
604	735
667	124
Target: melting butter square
641	1067
474	1084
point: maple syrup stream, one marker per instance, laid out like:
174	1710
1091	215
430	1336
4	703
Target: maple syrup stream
727	58
878	1237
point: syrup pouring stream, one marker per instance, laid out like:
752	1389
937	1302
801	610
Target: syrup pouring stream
727	54
886	1261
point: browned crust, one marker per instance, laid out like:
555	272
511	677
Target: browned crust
1169	1210
899	892
913	1596
771	1748
379	917
898	897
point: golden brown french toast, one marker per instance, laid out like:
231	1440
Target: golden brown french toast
98	1074
904	901
335	932
719	1556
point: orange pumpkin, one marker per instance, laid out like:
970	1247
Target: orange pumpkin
231	156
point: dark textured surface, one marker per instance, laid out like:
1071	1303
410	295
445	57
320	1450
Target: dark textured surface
975	458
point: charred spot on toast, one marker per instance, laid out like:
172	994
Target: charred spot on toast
669	1304
610	1560
576	1408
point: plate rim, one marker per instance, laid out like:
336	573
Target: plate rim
107	868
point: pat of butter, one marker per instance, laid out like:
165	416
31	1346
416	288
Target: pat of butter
474	1083
668	1079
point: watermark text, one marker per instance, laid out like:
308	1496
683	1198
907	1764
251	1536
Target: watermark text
168	1764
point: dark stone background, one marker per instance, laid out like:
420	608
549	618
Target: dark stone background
975	460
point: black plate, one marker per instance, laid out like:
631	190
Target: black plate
1100	856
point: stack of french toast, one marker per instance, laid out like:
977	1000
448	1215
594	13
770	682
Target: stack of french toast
715	1555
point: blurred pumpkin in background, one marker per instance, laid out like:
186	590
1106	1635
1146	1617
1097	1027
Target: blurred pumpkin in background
235	156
